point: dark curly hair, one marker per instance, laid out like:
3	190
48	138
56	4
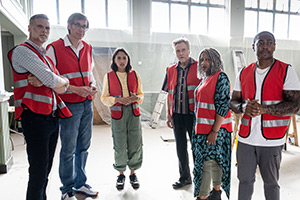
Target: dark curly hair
216	62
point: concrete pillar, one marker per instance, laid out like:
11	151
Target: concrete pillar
5	145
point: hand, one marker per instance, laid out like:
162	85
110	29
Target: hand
123	100
133	98
83	91
34	81
169	121
211	138
93	91
253	108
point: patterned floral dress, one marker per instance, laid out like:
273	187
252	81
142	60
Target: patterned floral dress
221	150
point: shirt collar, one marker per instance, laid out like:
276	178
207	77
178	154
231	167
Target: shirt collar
41	50
68	43
191	61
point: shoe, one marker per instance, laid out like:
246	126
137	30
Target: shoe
86	190
214	195
134	181
68	196
120	182
180	184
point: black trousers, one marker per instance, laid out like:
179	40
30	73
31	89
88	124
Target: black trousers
41	133
183	123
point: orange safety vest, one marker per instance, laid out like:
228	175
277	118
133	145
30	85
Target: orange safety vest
272	127
38	99
77	70
192	83
205	107
115	89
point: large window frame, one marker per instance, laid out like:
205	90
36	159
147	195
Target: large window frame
190	4
83	10
274	12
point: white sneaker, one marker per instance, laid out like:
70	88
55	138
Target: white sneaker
68	196
86	190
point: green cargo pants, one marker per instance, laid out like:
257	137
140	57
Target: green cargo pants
127	139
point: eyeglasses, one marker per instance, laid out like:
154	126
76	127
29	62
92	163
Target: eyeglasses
78	26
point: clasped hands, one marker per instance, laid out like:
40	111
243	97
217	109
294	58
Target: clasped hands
127	100
84	91
253	108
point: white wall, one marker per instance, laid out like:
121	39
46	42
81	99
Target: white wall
1	67
13	18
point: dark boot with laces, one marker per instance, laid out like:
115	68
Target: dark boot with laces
120	182
214	195
134	181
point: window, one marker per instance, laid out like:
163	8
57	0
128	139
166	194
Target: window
117	14
49	10
277	16
65	10
189	16
95	12
100	13
179	22
160	22
250	23
199	20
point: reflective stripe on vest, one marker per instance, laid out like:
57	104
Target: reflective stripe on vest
115	89
77	70
192	83
205	108
275	123
116	108
38	99
270	102
21	83
206	105
272	127
77	75
191	87
245	121
211	121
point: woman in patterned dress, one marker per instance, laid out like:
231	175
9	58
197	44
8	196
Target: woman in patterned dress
211	142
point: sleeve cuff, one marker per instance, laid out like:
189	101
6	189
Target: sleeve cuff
221	112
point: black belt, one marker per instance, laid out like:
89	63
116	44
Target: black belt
53	114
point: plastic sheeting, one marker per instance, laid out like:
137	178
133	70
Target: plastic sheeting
151	53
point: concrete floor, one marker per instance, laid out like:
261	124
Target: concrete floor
159	171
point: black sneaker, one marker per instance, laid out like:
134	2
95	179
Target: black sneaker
120	182
214	195
134	181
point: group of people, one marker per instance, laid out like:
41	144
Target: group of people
266	93
54	88
199	103
53	92
52	84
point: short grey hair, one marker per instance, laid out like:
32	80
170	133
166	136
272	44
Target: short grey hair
180	40
37	16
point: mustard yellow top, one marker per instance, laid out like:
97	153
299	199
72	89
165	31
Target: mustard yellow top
110	100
